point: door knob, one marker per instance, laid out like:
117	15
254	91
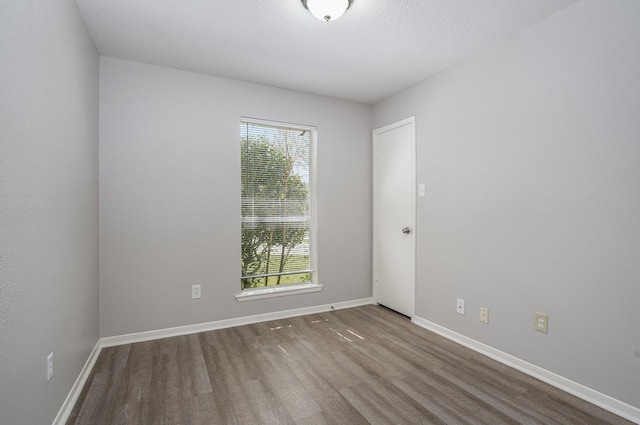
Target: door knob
406	230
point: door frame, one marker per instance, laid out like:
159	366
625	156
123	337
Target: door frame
411	120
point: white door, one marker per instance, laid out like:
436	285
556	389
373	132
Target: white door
394	216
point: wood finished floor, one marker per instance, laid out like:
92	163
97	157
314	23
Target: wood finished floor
365	365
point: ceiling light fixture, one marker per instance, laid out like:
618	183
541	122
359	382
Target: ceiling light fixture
327	10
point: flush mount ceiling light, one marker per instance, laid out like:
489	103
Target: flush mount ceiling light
327	10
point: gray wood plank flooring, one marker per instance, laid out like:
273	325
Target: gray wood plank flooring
364	365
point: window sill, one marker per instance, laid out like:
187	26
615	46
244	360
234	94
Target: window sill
278	291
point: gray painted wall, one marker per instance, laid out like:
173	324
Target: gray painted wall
48	205
530	153
170	195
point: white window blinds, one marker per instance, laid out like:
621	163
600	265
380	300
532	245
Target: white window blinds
276	210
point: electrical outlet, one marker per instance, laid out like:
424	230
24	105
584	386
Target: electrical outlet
195	291
460	306
484	315
49	367
542	323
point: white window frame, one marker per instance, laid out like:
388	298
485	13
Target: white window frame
294	288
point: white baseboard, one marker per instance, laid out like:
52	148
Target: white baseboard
617	407
228	323
76	389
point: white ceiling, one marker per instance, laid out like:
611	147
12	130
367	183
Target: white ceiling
377	48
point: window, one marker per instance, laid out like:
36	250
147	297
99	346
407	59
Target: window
276	186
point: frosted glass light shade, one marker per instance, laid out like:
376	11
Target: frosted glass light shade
327	10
